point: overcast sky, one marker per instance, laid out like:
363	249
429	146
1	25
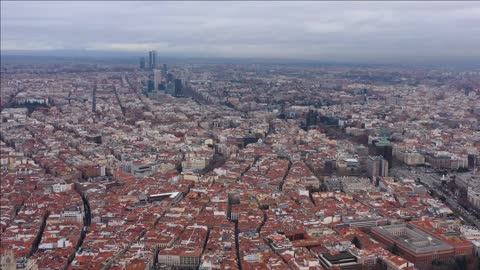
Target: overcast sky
357	31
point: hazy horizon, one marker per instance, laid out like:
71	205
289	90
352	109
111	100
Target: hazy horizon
348	32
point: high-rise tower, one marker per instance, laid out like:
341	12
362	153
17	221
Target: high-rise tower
152	60
157	77
164	70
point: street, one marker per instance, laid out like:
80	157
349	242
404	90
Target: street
433	183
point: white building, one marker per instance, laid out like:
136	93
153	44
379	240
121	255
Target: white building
474	197
73	213
61	187
192	164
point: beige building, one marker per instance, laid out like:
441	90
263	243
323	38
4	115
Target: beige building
377	166
9	262
474	196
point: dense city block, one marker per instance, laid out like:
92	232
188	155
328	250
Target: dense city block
238	166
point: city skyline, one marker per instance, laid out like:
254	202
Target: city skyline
240	136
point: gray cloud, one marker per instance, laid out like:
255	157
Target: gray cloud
358	31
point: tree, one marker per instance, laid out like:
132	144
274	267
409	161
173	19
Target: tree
461	262
395	250
463	198
356	242
451	185
476	263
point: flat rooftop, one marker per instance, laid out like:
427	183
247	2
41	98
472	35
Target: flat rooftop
412	238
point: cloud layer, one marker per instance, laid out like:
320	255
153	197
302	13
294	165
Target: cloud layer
356	31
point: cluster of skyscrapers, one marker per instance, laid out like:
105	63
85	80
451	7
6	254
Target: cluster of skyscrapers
162	80
152	61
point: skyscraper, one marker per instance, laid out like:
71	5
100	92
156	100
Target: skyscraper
152	60
164	69
170	88
170	77
142	62
157	77
383	147
178	87
150	85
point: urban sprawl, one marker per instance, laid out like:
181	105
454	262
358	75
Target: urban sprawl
238	166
